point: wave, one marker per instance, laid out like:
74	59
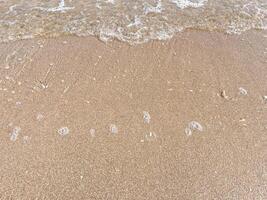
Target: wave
125	20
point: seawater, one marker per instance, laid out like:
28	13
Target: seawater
132	21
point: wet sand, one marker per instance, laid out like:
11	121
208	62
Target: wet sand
179	119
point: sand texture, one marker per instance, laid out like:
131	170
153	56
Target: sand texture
180	119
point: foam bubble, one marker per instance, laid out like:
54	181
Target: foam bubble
151	9
137	22
60	8
182	4
110	1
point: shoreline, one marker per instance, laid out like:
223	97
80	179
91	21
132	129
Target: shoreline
177	119
261	32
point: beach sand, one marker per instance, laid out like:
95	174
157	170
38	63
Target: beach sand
178	119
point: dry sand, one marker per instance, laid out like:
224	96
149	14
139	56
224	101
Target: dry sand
180	119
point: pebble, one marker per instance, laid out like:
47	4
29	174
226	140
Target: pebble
14	134
92	132
26	139
113	129
146	117
223	94
39	117
18	103
188	131
151	136
195	126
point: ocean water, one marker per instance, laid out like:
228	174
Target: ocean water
132	21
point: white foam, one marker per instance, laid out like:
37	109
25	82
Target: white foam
151	9
107	34
97	4
12	9
163	34
137	22
110	1
60	8
147	19
182	4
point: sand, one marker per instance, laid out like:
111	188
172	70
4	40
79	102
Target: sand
178	119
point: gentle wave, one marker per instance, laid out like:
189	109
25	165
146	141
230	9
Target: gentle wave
130	21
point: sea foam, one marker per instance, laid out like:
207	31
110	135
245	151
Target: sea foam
129	21
182	4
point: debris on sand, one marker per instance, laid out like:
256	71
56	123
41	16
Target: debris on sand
193	126
265	98
26	139
146	117
113	129
223	95
188	131
92	132
243	91
39	117
63	131
14	134
151	136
